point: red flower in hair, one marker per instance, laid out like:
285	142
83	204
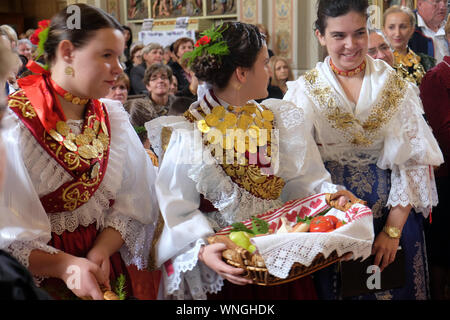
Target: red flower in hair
44	24
202	41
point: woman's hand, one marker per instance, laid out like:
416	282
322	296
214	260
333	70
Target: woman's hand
101	259
90	276
384	247
211	255
385	250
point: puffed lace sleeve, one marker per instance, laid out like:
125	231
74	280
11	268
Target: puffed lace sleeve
185	226
24	225
135	210
411	151
300	162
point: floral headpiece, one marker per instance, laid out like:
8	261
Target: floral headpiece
39	37
211	43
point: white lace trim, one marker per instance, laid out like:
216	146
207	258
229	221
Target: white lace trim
191	279
21	250
280	252
47	175
413	183
137	242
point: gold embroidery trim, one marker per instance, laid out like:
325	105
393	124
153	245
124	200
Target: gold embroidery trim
23	104
357	132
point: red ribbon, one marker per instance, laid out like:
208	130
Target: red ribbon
36	89
42	96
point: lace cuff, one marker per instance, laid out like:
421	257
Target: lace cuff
413	185
187	278
21	251
137	237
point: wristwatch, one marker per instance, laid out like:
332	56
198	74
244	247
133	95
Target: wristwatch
392	232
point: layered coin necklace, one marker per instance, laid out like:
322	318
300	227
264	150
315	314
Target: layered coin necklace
93	141
243	128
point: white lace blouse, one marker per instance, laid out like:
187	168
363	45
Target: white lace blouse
183	177
32	173
385	127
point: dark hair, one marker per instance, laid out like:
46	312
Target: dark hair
337	8
130	41
156	68
91	20
141	111
179	106
244	42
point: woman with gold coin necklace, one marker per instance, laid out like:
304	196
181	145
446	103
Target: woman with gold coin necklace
228	159
79	183
399	25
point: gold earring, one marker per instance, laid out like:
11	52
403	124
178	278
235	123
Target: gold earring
69	71
237	86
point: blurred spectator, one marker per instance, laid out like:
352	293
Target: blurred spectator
25	48
398	26
179	66
141	111
128	34
152	53
15	67
174	85
281	72
168	54
12	35
179	106
29	33
435	95
263	30
157	80
119	91
379	47
429	34
135	57
136	54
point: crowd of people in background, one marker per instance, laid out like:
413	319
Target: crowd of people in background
157	81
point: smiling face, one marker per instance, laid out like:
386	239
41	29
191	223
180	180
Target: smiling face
398	30
346	40
159	84
96	65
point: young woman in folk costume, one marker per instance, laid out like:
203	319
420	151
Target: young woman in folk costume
79	183
373	139
199	196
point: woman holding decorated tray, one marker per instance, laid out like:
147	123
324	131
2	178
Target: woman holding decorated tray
200	193
79	184
368	123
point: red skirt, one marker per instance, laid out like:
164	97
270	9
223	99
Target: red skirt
301	289
78	243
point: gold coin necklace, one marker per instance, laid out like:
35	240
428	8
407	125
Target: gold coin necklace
242	128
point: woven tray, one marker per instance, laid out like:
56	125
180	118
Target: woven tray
254	264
